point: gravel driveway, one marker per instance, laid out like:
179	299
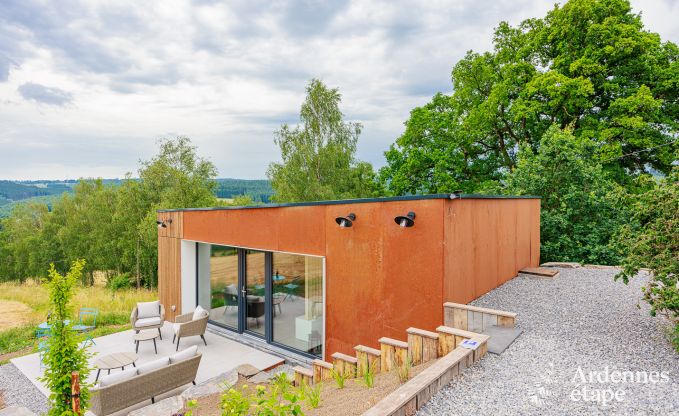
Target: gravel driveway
578	323
17	390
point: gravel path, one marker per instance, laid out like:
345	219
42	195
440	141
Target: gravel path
19	391
580	320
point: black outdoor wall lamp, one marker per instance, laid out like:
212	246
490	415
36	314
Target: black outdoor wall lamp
405	221
346	222
161	224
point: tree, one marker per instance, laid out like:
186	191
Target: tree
64	353
651	240
581	209
318	157
588	64
175	178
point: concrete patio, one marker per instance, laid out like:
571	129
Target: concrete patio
219	356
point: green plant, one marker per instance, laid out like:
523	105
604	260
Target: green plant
369	374
120	281
277	400
64	354
339	378
312	395
403	370
236	402
650	240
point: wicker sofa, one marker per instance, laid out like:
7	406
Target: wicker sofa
115	397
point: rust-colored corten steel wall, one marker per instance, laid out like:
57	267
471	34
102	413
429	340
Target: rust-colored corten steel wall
381	278
487	242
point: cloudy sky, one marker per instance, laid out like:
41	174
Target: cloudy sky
87	88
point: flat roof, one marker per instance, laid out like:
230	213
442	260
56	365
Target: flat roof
356	201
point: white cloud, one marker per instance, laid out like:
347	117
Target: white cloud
120	75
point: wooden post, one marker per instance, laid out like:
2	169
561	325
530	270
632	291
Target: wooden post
75	392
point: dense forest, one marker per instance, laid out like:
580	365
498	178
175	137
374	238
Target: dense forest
13	193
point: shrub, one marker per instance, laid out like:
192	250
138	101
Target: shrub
279	399
651	240
120	281
369	374
64	353
312	395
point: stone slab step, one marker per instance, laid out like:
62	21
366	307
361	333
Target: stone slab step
500	338
562	264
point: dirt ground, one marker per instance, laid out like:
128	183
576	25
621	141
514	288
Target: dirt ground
13	314
354	399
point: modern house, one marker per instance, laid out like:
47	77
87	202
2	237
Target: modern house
325	276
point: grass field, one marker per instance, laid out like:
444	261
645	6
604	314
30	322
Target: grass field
24	306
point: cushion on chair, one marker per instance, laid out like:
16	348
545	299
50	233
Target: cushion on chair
148	309
140	323
199	313
117	377
153	365
175	328
184	354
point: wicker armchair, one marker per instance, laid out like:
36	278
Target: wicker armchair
186	326
146	323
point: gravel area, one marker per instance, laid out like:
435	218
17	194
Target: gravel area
17	390
583	321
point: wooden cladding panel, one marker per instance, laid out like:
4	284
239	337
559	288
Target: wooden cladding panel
174	224
169	275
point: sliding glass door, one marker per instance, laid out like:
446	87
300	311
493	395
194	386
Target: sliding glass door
273	295
255	283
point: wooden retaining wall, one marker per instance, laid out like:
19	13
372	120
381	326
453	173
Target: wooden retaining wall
474	318
411	396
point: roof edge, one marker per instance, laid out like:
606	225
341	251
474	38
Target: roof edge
354	201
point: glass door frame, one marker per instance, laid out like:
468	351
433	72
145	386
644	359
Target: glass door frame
268	297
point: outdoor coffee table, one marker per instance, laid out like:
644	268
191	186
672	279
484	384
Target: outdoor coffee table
115	360
147	335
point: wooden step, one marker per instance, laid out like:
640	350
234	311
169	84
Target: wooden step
322	371
344	364
393	342
422	345
450	338
303	375
367	358
393	353
540	271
